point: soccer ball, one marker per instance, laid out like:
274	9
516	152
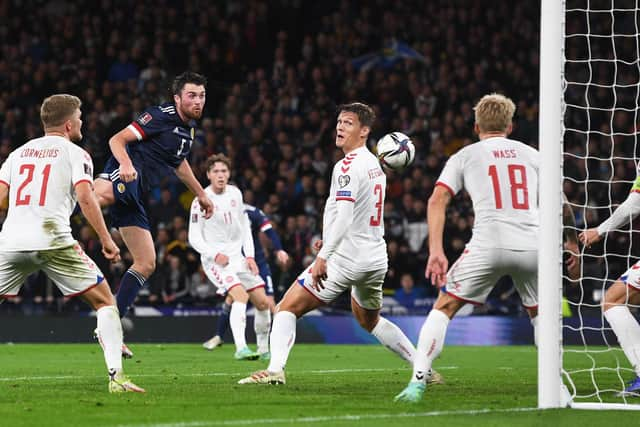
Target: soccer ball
395	151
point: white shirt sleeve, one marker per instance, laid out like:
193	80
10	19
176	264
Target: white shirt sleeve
344	196
339	228
5	171
452	176
247	237
81	165
196	231
624	214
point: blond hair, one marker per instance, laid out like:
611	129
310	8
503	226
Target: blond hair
57	109
494	113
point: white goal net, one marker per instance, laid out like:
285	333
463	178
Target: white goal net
600	96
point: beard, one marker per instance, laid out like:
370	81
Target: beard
191	114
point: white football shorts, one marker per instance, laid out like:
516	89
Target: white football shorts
472	277
70	269
235	273
366	286
631	277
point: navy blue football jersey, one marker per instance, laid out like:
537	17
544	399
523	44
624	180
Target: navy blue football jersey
164	141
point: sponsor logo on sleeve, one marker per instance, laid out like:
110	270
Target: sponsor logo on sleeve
194	218
344	180
87	169
144	119
343	193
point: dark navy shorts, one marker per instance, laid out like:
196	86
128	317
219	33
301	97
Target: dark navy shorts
129	208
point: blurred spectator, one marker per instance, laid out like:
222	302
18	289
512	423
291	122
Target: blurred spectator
408	292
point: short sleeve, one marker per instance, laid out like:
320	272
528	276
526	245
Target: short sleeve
81	166
452	176
148	124
5	172
261	220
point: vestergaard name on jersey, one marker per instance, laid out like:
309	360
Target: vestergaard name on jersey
39	154
374	173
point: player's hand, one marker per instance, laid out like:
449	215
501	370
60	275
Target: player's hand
436	270
221	259
206	205
573	261
283	257
253	267
128	173
589	237
318	273
110	250
317	245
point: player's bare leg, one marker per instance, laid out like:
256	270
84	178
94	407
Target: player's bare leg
110	336
238	323
616	311
295	303
430	344
103	189
262	321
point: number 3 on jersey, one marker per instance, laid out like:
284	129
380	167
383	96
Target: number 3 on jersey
375	220
517	183
28	170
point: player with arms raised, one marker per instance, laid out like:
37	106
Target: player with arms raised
221	240
158	141
501	177
353	253
43	179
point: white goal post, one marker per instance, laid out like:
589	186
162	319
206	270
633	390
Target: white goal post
556	385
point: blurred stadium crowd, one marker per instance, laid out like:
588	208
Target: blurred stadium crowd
276	71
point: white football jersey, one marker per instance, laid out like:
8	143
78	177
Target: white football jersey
501	177
228	231
359	179
41	176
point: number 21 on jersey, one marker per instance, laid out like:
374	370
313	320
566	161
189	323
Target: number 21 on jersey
27	170
517	183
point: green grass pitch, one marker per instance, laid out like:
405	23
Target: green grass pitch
338	385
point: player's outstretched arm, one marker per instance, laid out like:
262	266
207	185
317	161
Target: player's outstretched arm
623	214
437	264
186	175
118	145
91	210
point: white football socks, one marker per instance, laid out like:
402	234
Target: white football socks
283	336
238	323
534	323
430	344
627	330
110	336
261	324
394	339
